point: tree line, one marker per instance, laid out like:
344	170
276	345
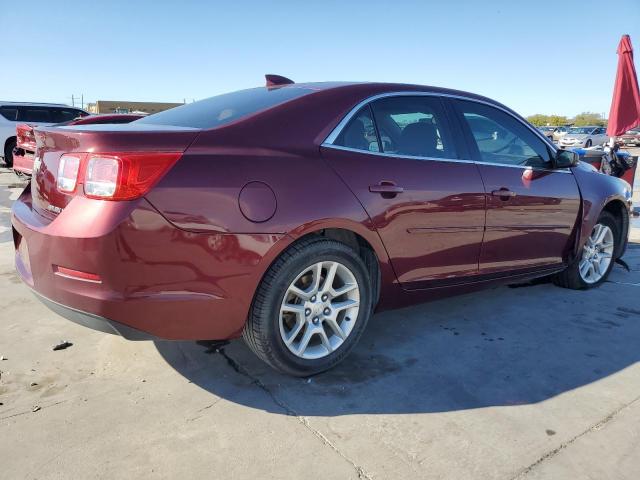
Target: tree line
580	120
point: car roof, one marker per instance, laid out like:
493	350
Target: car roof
370	89
36	104
364	86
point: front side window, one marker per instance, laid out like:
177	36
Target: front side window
501	138
360	132
413	126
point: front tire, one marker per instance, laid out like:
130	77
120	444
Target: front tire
595	262
311	308
8	152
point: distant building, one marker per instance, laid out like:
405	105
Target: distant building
112	106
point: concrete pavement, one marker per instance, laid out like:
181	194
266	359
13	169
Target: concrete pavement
534	382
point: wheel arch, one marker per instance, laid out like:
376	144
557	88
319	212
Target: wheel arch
365	242
619	210
615	205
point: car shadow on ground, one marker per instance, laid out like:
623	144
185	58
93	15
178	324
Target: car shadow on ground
508	346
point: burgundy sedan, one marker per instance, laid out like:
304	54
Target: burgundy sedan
288	214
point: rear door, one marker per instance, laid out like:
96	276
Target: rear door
531	208
427	206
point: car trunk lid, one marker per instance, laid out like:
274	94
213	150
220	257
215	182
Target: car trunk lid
53	142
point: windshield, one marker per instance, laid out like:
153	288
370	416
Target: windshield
222	109
634	131
580	130
546	129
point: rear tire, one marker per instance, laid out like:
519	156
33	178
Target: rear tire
8	152
296	303
581	275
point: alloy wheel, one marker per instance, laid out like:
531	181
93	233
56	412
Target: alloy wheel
319	310
597	254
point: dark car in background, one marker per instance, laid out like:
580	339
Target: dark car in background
288	214
24	151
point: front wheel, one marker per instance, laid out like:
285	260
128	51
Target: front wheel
310	308
593	265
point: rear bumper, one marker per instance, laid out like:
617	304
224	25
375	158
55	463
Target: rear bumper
95	322
155	280
22	161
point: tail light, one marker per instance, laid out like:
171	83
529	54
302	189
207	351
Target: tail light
114	176
68	169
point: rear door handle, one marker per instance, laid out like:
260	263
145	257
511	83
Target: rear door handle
386	188
503	193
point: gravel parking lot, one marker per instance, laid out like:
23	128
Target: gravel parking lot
533	382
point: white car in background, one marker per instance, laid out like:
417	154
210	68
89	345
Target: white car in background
553	133
579	137
13	113
559	132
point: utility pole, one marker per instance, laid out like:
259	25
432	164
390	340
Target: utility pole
75	97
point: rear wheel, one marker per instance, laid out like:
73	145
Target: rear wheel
8	152
311	308
593	265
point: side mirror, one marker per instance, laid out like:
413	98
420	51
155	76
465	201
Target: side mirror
566	159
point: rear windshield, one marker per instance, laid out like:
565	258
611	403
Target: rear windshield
222	109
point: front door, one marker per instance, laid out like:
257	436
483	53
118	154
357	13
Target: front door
427	206
531	208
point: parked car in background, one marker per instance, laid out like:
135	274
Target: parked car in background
548	132
288	214
584	137
559	132
24	152
14	113
554	134
631	138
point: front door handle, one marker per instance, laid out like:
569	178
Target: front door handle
386	189
503	193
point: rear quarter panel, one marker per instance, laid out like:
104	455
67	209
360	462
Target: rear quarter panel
201	194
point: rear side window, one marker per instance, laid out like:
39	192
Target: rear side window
10	113
34	114
360	133
222	109
413	126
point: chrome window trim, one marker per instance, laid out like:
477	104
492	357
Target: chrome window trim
328	142
395	155
447	160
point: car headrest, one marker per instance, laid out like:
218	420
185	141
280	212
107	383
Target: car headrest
419	139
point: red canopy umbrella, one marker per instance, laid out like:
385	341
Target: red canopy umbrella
625	106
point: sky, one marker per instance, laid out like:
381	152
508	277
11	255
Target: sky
551	57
